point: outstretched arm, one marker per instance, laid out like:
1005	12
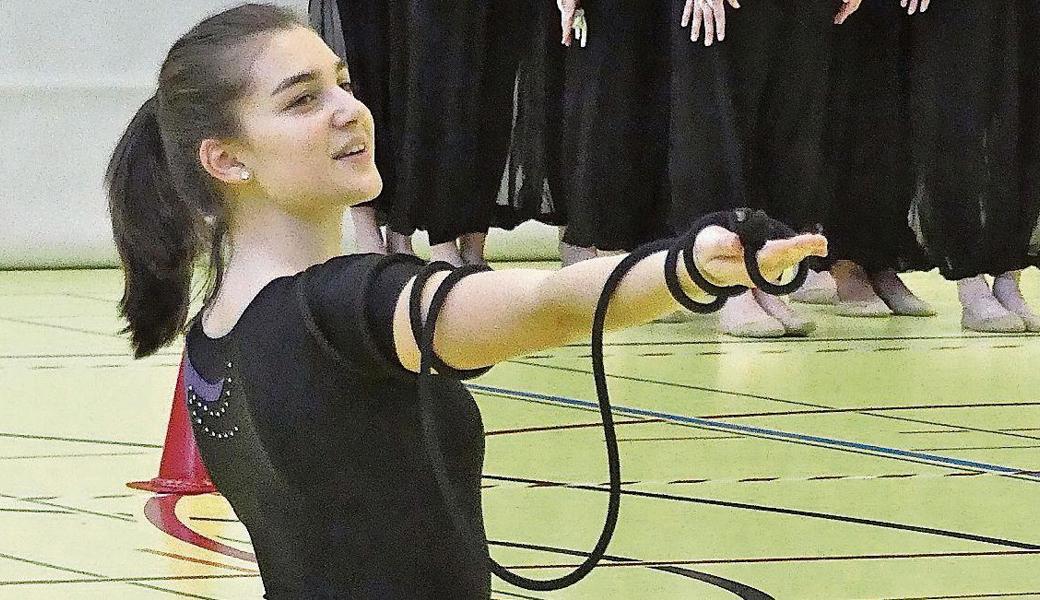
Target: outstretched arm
491	317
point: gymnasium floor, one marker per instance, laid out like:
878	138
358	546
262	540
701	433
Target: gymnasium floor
883	459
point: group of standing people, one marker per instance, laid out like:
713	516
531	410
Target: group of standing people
906	131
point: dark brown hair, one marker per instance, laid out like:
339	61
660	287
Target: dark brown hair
165	208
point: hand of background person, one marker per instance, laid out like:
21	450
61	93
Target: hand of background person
709	14
913	6
572	21
848	7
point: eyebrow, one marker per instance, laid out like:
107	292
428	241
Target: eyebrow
302	77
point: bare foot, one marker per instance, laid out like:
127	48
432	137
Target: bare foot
794	324
819	288
856	296
743	316
1007	291
891	289
981	311
471	246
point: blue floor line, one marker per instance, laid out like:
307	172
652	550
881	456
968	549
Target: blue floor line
772	433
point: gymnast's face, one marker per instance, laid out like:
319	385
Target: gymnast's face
305	139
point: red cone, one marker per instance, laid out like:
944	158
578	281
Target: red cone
181	470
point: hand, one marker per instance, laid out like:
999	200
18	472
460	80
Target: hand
572	21
911	6
709	13
850	6
719	255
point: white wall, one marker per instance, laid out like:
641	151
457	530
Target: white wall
72	73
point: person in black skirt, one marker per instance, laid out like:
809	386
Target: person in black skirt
872	172
746	126
440	77
973	79
612	127
368	40
300	367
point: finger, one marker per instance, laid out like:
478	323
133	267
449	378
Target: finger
687	13
698	17
567	23
734	3
924	5
839	17
912	8
780	255
709	26
902	3
720	21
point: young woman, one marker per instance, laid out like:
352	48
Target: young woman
300	366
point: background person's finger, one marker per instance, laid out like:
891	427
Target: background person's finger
709	25
720	21
698	18
567	23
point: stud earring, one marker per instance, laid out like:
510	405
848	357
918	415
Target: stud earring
245	175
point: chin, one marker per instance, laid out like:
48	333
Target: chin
362	191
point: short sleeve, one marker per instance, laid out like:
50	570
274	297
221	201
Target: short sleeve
351	300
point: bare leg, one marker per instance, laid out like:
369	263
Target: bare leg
856	296
570	254
471	246
1007	291
367	236
981	311
398	243
446	252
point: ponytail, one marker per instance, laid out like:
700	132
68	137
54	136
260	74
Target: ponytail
155	231
166	210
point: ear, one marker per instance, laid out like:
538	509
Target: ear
220	162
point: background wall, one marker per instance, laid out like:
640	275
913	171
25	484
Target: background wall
72	73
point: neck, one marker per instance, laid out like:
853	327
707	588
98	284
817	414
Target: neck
267	241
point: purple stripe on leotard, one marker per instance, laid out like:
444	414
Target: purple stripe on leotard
206	391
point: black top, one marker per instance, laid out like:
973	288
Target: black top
312	433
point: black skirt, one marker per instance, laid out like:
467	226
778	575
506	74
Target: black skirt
868	140
532	188
439	77
747	113
973	84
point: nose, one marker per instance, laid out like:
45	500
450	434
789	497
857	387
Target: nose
348	109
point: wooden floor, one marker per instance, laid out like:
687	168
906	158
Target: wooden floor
878	459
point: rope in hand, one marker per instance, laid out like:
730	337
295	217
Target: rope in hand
754	228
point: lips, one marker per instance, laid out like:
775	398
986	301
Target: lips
351	149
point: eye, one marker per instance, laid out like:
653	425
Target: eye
303	100
347	86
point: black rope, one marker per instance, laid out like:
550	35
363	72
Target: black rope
751	232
